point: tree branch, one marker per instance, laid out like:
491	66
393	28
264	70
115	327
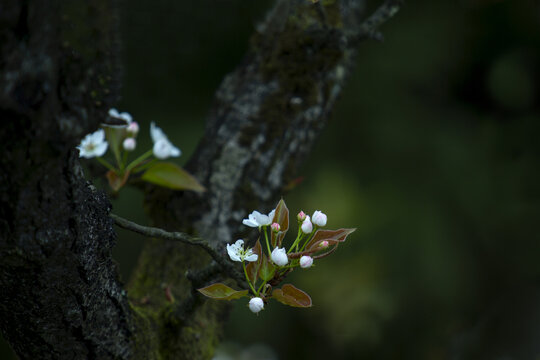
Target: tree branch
369	28
220	259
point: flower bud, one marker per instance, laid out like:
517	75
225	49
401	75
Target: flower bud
324	244
301	216
319	218
275	227
256	304
129	144
279	257
306	261
307	226
133	129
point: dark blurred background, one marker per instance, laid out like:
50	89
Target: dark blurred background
432	153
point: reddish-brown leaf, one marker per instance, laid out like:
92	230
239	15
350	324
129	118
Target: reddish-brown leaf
282	218
253	267
332	236
292	296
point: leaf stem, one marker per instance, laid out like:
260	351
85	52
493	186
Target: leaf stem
138	160
267	242
309	238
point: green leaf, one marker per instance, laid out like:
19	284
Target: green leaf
289	295
267	270
171	176
282	218
221	291
332	236
253	267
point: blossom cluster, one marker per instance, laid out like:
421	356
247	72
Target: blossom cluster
273	265
119	134
125	129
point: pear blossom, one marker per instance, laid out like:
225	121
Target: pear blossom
319	218
279	256
306	262
301	216
256	219
93	145
129	144
307	226
237	253
275	227
124	116
163	148
256	304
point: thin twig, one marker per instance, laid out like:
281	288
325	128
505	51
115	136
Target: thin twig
369	27
226	266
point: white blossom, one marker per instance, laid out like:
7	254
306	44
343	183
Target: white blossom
319	218
307	226
256	219
256	304
93	145
237	253
129	144
279	256
306	261
163	148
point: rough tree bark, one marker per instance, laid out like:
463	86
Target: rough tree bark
60	296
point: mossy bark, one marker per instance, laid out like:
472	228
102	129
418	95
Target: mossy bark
61	297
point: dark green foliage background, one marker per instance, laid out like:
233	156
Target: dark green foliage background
432	153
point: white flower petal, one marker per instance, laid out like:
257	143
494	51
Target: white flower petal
126	116
319	218
156	133
114	113
163	149
306	262
256	304
261	219
250	223
307	226
279	256
233	252
252	257
93	145
271	215
101	149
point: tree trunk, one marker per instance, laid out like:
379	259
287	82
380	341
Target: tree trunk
61	297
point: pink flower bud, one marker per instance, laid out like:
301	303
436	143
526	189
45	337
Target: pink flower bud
301	216
306	261
324	244
307	226
256	304
319	218
275	227
129	144
133	128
